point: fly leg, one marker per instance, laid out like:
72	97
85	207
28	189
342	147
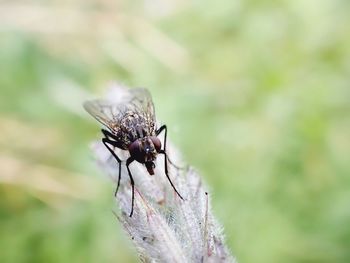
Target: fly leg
167	173
109	139
163	127
128	162
166	159
109	136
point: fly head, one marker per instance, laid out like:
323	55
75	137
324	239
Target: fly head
145	150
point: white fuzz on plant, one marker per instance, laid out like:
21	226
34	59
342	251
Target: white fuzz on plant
163	227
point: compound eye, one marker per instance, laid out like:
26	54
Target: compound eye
135	151
156	142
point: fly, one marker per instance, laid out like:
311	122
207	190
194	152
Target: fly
131	126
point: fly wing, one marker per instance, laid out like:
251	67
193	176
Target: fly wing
106	112
141	102
110	113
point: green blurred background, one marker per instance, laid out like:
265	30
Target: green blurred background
255	93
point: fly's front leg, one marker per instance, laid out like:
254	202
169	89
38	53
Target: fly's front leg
108	141
163	127
128	162
167	173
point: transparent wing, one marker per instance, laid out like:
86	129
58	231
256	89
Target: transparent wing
106	112
141	102
109	113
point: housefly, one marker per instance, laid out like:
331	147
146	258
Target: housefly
130	125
